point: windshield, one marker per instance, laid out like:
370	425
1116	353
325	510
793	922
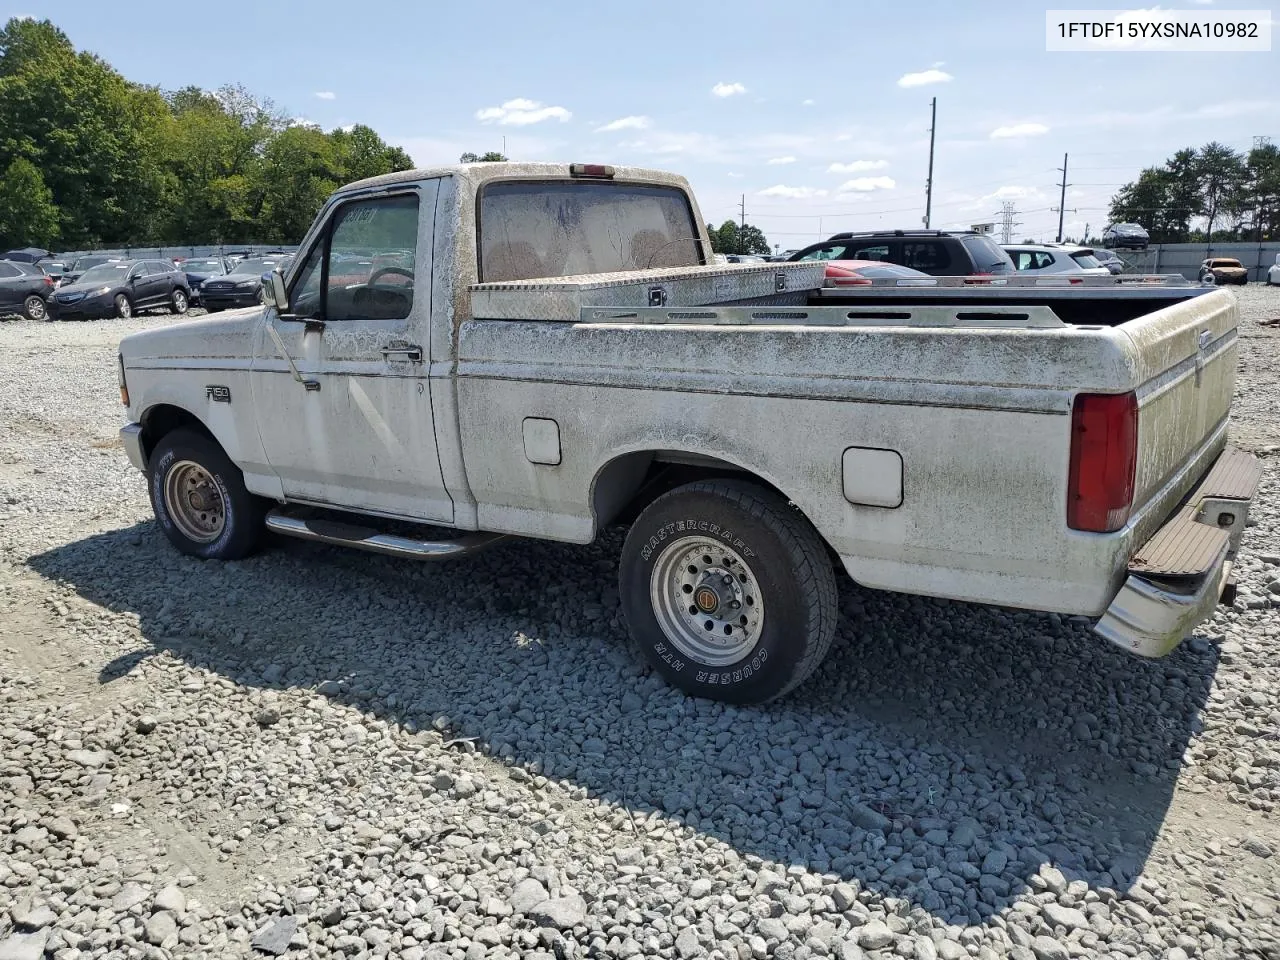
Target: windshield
258	267
202	266
565	229
84	263
1226	263
106	273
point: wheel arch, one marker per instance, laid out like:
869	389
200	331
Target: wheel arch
163	418
628	482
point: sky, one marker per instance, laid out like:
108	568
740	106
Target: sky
814	116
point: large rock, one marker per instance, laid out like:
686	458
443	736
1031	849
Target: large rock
875	935
274	937
526	895
161	930
1069	917
562	913
24	946
1047	948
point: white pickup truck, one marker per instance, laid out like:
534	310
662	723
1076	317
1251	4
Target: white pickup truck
539	350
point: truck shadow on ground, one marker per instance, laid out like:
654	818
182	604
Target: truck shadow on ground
943	755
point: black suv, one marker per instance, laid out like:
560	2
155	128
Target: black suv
939	253
121	288
25	289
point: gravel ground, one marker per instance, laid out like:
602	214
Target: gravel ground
322	753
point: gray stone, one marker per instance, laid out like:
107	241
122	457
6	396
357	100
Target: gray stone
687	944
772	929
172	899
62	828
274	937
1069	917
1047	948
562	913
867	818
1257	846
995	862
848	950
161	929
24	946
29	917
526	895
875	935
267	716
844	896
88	758
950	950
130	895
145	724
699	888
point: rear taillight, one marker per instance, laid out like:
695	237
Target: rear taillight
49	282
1104	456
849	281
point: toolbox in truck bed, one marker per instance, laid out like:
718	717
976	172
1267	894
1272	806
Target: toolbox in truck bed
563	298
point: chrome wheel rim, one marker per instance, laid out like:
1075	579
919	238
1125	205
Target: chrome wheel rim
195	502
707	601
35	308
180	301
123	307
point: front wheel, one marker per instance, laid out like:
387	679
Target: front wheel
124	307
178	301
200	499
34	308
728	591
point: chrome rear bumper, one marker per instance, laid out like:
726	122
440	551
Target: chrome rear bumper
1179	575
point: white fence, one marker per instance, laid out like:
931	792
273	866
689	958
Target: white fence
1185	258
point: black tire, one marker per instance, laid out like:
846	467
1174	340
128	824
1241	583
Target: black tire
242	526
790	569
123	306
179	302
34	308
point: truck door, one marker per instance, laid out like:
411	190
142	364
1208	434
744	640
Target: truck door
357	431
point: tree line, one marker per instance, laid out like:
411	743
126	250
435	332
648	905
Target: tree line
730	237
88	158
1213	193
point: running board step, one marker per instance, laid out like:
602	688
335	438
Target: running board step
340	533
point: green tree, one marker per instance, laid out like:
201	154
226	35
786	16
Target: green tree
298	172
28	215
362	153
94	137
732	238
491	157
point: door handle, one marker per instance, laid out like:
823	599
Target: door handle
409	351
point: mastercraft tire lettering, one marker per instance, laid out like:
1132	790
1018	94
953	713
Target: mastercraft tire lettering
728	591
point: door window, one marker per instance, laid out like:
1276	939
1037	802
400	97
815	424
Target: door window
363	268
879	251
825	253
928	256
8	272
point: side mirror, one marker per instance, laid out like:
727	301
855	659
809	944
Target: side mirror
278	294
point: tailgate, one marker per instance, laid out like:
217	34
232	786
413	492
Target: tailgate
1186	357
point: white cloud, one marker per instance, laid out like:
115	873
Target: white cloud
924	78
736	176
1017	130
806	103
867	184
728	89
521	112
779	161
625	123
857	166
791	193
347	128
303	122
326	95
1012	192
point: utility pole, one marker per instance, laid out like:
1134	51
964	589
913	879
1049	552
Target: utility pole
928	184
504	146
742	208
1062	201
1007	222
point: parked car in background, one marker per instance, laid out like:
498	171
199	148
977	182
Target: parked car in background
242	286
859	273
1224	270
200	269
1128	236
1109	259
54	267
87	262
26	255
25	289
745	258
1273	273
938	253
1046	259
121	288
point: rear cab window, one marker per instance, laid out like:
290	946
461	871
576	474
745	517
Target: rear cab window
531	229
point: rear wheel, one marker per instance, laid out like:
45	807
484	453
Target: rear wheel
124	306
728	591
34	308
178	301
200	499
